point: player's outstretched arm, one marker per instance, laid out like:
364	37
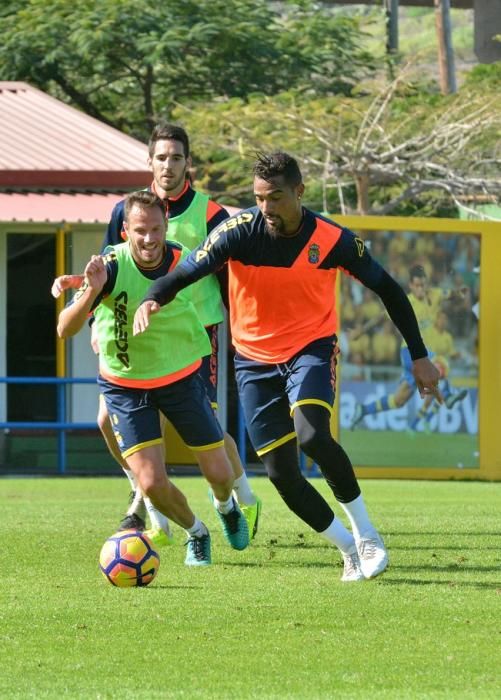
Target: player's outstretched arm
142	316
65	282
72	318
427	376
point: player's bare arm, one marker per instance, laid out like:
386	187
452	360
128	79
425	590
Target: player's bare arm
73	317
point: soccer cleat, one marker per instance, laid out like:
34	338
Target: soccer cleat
453	399
159	531
132	522
252	514
372	554
352	570
358	414
160	537
198	551
234	524
135	518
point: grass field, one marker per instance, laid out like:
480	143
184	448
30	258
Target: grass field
371	448
273	621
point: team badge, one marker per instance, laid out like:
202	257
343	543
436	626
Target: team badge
313	254
360	246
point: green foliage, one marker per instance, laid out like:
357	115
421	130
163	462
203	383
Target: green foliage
128	63
274	621
485	77
408	140
247	75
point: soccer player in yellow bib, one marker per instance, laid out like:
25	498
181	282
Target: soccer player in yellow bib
192	217
427	304
139	379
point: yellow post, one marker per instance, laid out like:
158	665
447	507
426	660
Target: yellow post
60	270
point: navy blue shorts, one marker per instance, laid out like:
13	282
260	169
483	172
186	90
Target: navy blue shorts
136	423
270	393
208	369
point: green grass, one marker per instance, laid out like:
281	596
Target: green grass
273	621
385	448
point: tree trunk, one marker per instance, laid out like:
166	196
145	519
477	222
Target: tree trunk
445	51
362	185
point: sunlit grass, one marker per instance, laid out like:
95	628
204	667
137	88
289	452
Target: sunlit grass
273	621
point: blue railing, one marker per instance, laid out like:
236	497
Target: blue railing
61	424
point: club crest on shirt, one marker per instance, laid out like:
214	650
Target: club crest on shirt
313	253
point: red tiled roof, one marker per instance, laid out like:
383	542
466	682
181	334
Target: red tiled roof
63	207
57	208
48	147
46	143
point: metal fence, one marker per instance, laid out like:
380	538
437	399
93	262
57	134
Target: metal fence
61	424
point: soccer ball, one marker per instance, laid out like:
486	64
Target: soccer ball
129	559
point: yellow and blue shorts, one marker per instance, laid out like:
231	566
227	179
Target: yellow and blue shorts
136	422
269	393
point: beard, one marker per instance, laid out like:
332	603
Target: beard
278	228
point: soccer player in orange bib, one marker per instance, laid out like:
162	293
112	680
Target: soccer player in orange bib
282	265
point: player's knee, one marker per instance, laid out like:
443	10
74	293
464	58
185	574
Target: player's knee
313	440
153	485
229	444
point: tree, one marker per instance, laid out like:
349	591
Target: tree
129	63
392	152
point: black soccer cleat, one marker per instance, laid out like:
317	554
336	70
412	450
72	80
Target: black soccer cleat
132	522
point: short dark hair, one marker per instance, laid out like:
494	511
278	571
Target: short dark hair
165	131
270	165
144	199
417	271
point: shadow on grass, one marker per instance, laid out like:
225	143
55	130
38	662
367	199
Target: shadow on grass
447	548
293	545
454	566
434	533
282	564
386	580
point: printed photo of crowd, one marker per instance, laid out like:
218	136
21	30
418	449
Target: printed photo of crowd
441	275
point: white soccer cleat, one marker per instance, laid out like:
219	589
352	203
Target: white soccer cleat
372	554
352	570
